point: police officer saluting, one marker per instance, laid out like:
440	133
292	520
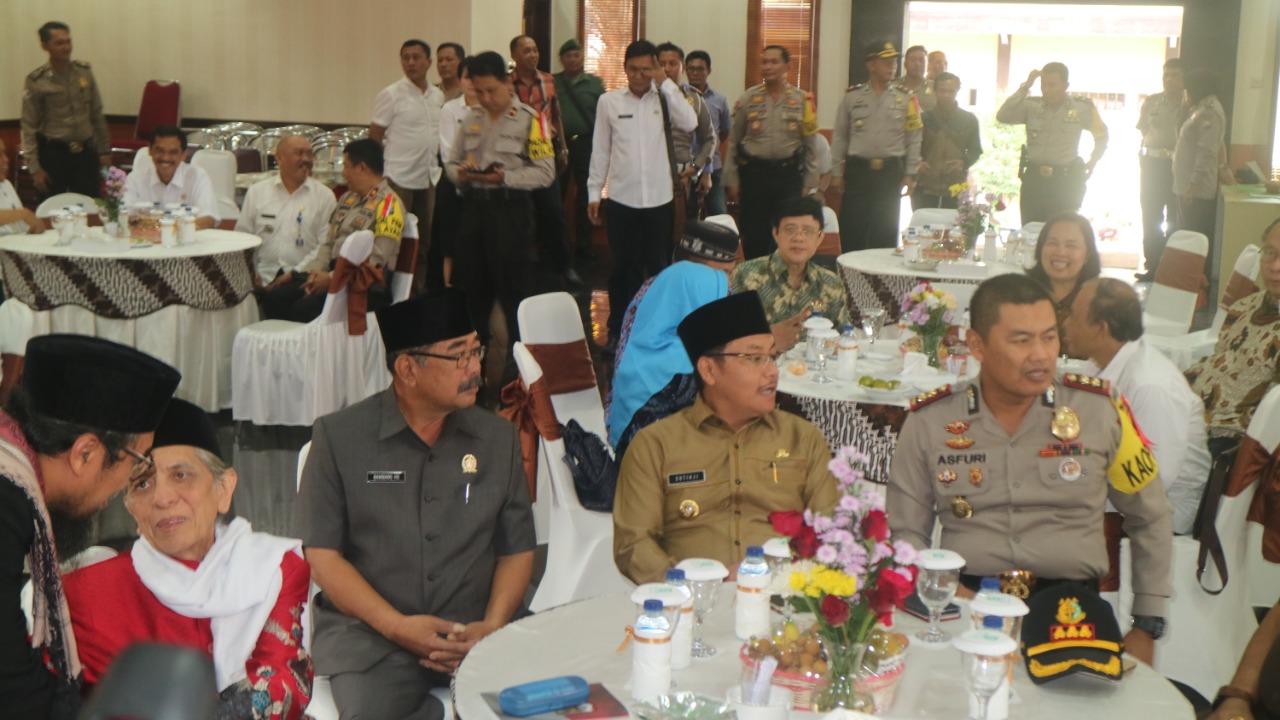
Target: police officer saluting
1053	175
1018	466
64	133
773	154
875	150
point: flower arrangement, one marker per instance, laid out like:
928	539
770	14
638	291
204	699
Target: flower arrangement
113	180
928	313
846	569
975	216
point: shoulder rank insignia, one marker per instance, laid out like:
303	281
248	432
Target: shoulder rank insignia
930	397
1084	382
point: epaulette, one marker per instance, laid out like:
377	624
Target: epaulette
928	398
81	63
859	86
35	74
1084	382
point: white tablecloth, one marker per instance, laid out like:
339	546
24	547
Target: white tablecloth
196	342
581	639
878	279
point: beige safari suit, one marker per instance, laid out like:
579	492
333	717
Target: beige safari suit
724	481
1053	134
770	130
1027	512
62	106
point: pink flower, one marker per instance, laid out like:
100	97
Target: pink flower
904	553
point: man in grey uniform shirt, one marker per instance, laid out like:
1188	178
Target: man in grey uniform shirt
1018	466
414	513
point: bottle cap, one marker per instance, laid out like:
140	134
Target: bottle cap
755	551
846	328
675	575
993	622
653	605
989	583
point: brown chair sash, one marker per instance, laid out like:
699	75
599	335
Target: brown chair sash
530	410
1182	270
566	366
1253	462
1239	287
357	279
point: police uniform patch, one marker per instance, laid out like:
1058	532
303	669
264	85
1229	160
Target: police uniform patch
948	476
928	398
1094	385
960	442
539	145
1134	466
390	222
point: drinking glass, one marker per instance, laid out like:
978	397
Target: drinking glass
704	599
982	676
824	343
872	323
936	587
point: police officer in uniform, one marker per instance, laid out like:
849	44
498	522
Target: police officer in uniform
1053	175
1019	465
875	151
1159	122
913	79
694	168
773	154
64	133
501	155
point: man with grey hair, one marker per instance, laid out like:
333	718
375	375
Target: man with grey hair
1105	325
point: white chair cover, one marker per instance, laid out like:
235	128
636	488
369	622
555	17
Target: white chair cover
1030	234
1185	350
286	373
1208	633
830	221
934	216
61	200
580	546
1169	311
221	166
17	323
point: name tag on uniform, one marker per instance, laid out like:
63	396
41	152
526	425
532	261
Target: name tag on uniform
689	478
624	117
385	476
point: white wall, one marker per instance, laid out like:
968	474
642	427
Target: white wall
306	60
493	24
1255	73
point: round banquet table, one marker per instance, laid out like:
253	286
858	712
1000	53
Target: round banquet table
180	304
878	279
582	639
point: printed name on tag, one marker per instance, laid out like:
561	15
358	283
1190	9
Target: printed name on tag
689	478
385	476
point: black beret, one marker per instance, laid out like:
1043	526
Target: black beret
1071	629
722	321
187	424
97	383
709	240
424	319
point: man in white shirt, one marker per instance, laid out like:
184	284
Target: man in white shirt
290	212
406	120
14	218
168	179
629	152
1105	324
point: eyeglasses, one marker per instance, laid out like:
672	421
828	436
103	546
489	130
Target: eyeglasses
143	465
804	232
755	360
1270	256
462	359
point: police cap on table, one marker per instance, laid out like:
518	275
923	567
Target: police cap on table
95	382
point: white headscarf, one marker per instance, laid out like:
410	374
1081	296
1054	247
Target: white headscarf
236	585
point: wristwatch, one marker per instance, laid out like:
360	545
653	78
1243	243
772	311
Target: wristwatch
1154	626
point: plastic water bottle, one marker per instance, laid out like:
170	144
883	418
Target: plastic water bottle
751	610
682	637
989	252
651	653
998	703
847	353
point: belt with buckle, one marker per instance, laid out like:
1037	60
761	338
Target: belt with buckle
873	163
75	147
1162	153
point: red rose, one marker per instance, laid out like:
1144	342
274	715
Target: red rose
835	610
805	542
875	526
895	586
787	522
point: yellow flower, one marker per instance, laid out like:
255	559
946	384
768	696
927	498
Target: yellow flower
798	580
958	188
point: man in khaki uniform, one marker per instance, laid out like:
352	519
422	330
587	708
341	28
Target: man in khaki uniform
913	79
502	154
64	133
702	482
1158	121
773	151
875	152
1018	466
1053	175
